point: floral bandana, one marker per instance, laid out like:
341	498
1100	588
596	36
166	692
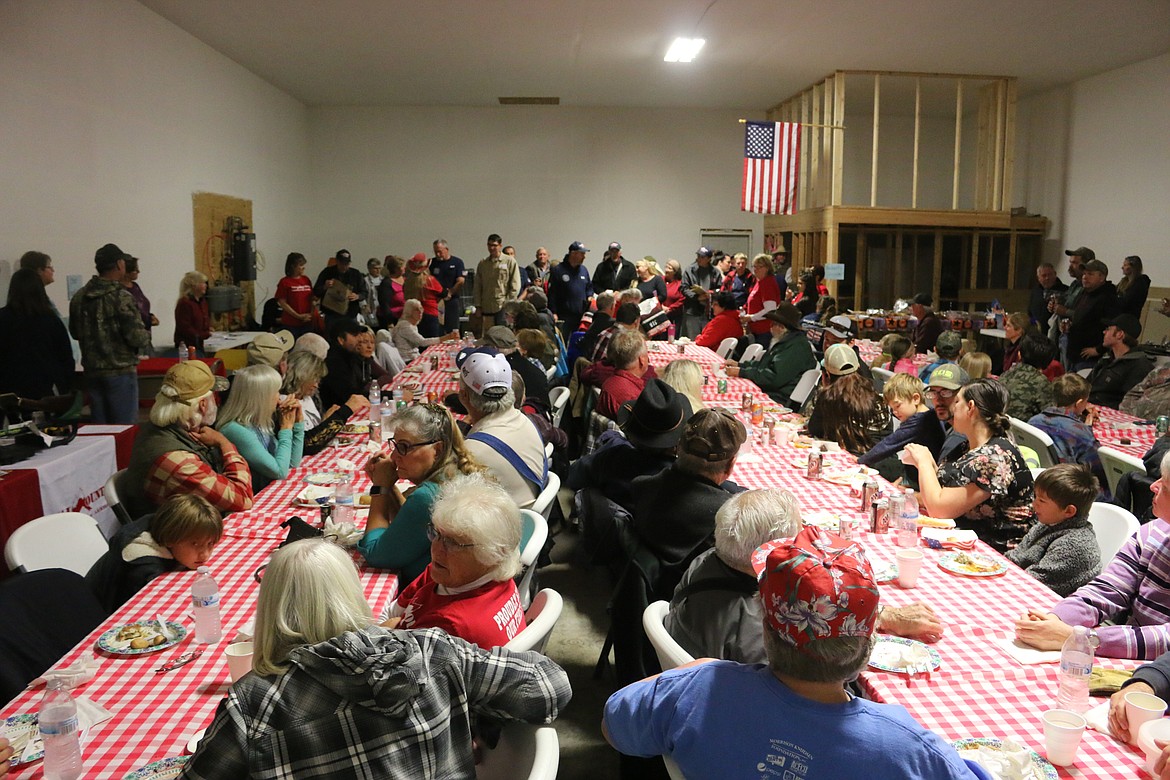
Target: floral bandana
816	586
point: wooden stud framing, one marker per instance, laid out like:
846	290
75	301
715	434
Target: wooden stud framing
997	159
838	137
958	142
826	138
877	104
936	283
917	132
1009	144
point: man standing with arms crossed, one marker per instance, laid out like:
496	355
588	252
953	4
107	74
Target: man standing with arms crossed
452	274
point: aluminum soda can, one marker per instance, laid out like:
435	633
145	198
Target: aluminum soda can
434	362
1163	424
868	491
721	385
816	460
770	428
745	402
897	503
879	515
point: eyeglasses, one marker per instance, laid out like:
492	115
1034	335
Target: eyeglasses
405	448
941	394
449	544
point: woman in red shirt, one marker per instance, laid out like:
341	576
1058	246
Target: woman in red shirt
764	296
725	324
192	318
672	276
294	293
391	295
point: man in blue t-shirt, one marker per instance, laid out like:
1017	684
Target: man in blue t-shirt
792	717
570	288
452	274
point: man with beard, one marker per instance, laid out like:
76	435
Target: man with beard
941	391
615	272
1095	306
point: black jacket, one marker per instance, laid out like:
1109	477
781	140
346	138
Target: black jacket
349	374
1113	377
114	579
607	277
1087	326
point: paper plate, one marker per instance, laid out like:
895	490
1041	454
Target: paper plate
325	478
19	729
110	643
1041	768
894	653
970	564
166	769
193	742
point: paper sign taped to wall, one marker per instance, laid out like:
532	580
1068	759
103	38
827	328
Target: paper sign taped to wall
835	271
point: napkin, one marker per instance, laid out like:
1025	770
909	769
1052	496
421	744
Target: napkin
1098	718
347	534
948	539
1009	761
77	673
1027	655
89	714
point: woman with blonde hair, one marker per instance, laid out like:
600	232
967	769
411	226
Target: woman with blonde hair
427	449
672	278
764	296
333	696
246	419
686	377
192	317
976	364
649	283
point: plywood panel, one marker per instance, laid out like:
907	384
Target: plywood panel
211	212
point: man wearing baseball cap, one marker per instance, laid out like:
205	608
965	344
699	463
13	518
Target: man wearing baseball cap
948	347
341	273
1095	307
271	349
941	391
1123	365
929	326
821	605
179	451
843	330
501	436
570	289
698	282
614	272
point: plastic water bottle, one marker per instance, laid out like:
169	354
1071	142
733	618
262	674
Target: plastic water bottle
907	522
205	600
1076	664
184	355
384	424
343	500
375	412
61	733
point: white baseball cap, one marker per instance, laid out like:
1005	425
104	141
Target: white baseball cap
487	375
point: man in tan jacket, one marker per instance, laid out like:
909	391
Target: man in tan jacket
497	281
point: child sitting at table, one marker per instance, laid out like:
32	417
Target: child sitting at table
1070	424
905	394
1061	549
901	351
180	535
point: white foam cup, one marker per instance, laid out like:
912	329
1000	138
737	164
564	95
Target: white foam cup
1063	730
239	659
1141	708
909	564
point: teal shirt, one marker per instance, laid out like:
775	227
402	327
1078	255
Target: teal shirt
269	456
404	545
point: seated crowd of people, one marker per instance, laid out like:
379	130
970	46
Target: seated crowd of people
333	687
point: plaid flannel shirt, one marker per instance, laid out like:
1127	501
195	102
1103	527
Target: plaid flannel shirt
179	472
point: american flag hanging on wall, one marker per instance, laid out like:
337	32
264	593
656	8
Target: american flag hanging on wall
771	156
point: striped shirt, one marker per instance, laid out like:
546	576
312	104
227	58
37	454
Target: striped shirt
1134	587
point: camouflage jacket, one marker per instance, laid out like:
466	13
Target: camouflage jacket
107	324
1029	391
1149	397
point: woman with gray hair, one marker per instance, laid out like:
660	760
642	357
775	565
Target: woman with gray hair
192	317
468	590
426	448
405	336
333	696
302	381
246	419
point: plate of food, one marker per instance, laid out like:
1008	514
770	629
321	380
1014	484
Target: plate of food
926	521
356	428
24	737
325	478
166	769
141	637
973	748
902	656
971	564
315	495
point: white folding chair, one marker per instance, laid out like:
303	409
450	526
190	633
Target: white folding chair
752	352
558	399
725	347
532	539
524	752
66	540
543	503
670	653
551	373
804	388
1038	440
1036	473
1117	464
880	377
113	499
1085	372
548	449
1113	526
541	617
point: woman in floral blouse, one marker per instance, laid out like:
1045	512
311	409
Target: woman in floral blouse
989	489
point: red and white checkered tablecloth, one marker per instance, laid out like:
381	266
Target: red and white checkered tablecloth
1121	431
979	690
662	353
155	714
871	350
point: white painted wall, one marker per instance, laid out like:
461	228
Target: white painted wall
391	180
111	117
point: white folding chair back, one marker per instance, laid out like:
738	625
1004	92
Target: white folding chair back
880	377
752	352
541	618
1031	436
551	373
113	500
804	388
725	346
1113	526
534	536
524	752
543	503
548	449
66	540
670	653
1085	372
1117	464
558	399
1036	473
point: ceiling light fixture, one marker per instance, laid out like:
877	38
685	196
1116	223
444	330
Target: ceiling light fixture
684	49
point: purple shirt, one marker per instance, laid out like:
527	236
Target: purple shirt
141	302
1136	581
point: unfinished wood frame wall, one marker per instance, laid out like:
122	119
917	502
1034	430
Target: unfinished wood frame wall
821	109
